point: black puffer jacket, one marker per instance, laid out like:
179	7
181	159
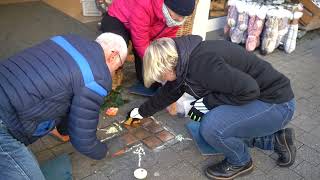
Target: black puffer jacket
222	73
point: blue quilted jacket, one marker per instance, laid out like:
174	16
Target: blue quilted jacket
63	76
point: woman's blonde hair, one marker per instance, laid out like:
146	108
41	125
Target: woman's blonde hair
160	57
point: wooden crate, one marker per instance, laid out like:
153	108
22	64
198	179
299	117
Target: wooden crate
311	15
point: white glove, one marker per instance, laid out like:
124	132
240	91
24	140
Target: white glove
135	114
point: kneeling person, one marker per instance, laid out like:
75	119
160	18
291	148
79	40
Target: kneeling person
241	100
64	76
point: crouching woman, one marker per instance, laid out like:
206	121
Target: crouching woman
241	100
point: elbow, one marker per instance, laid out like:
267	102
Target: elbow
251	95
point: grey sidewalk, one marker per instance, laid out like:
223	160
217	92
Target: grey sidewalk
180	160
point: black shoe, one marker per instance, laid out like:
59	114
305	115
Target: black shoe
225	170
284	147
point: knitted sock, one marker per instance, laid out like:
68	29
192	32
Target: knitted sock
290	44
250	46
244	37
232	13
270	33
255	31
283	25
231	17
242	24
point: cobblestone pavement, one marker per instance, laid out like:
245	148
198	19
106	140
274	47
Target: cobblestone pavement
181	160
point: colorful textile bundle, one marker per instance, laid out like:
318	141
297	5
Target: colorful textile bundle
267	26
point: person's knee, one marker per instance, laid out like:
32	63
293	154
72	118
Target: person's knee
209	132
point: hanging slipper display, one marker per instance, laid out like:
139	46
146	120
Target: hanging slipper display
231	17
237	33
270	34
290	44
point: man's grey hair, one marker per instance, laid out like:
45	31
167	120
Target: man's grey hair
113	42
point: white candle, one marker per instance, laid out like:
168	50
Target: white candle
140	173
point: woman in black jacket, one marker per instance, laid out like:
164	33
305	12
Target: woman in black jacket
241	100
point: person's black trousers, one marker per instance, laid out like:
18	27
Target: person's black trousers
112	24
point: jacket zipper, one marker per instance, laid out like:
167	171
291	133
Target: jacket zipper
191	90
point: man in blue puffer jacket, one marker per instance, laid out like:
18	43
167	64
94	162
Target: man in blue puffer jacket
64	76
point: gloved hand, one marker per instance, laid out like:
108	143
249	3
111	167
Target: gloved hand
134	113
198	110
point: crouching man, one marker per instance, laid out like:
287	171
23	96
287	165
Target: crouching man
64	76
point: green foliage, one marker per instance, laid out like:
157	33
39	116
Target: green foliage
114	99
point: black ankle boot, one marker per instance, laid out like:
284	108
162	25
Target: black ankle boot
225	170
284	147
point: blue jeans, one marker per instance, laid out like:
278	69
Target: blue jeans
16	161
232	129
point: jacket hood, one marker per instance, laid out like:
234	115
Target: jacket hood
185	45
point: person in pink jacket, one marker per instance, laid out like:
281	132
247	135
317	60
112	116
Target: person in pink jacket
143	21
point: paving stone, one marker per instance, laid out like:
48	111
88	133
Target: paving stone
297	130
267	152
165	136
308	171
44	156
63	148
305	122
209	161
181	145
105	132
129	139
82	166
310	140
303	106
123	175
301	93
192	155
128	161
309	155
154	128
262	161
165	158
50	141
152	142
37	146
96	176
180	171
105	120
116	146
140	133
257	174
146	121
283	174
130	128
316	131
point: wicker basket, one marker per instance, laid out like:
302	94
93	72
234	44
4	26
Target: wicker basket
186	28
